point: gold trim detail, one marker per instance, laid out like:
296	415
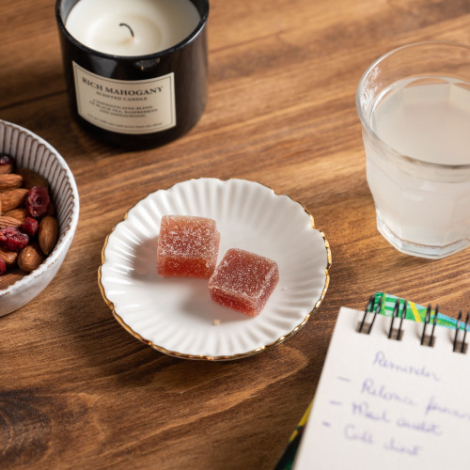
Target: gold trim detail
233	356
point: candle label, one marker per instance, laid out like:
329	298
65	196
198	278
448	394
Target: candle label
125	106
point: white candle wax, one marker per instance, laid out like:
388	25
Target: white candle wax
132	27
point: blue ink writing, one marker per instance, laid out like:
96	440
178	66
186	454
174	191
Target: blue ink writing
363	409
401	449
381	360
369	388
353	434
422	426
434	407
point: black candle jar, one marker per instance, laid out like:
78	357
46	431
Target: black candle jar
136	101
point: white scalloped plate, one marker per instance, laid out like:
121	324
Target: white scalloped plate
176	315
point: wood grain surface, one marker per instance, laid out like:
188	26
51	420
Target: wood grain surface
76	390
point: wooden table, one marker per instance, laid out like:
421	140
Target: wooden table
76	390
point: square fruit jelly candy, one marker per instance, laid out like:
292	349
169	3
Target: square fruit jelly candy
243	281
187	246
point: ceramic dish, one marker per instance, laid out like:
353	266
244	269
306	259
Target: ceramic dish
33	152
176	315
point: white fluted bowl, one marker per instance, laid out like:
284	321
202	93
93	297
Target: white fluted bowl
176	315
33	152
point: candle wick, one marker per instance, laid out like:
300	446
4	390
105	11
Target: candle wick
127	26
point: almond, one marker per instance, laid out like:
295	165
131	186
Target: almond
9	222
10	181
9	279
9	257
47	234
12	198
30	258
6	168
21	213
51	209
31	178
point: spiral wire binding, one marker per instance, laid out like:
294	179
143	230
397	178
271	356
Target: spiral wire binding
457	328
395	314
370	308
427	320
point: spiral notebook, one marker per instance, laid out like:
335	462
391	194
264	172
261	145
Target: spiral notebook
393	393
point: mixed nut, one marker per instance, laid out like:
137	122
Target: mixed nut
28	227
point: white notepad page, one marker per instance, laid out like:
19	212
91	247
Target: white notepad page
387	404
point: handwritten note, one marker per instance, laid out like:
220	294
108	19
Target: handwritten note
387	403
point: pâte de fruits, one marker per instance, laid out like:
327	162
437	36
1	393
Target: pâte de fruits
188	247
243	281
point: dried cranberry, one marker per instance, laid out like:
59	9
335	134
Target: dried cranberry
5	160
37	201
12	239
3	267
30	226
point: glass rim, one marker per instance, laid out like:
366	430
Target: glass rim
365	124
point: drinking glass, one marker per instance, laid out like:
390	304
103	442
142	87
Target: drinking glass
414	106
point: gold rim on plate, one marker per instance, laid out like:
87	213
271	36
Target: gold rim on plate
180	355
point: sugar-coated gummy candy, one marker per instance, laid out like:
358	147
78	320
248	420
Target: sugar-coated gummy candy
187	246
243	281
